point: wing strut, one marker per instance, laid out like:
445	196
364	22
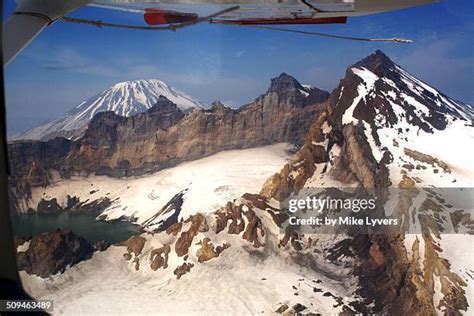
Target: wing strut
209	18
361	39
171	27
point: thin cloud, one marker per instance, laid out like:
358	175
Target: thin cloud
240	53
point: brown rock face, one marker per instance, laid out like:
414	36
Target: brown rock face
233	213
282	308
254	230
376	254
174	229
159	257
294	175
207	250
50	253
198	224
427	159
165	136
358	159
183	269
135	244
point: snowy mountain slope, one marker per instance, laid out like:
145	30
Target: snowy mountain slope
220	178
384	128
124	98
242	280
410	127
403	117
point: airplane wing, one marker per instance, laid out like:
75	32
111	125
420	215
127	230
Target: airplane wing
33	16
19	31
323	7
29	19
257	12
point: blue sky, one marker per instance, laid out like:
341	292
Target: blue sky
68	63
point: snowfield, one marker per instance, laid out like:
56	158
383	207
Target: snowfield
242	281
457	248
210	183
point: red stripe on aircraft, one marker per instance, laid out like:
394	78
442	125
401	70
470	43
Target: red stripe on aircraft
159	17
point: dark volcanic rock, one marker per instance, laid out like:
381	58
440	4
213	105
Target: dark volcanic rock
50	253
284	83
183	269
48	206
285	86
101	245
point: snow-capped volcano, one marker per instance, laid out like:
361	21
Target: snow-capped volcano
124	98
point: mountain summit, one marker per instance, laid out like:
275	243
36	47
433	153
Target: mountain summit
124	98
284	83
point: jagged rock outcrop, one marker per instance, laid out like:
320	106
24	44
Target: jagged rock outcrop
134	245
254	231
174	229
208	251
159	257
51	253
183	269
198	223
233	213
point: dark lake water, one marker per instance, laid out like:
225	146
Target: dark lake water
82	224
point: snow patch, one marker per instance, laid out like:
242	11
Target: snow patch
23	247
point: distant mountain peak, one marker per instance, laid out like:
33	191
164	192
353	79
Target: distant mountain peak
378	63
122	84
125	98
131	97
284	83
381	93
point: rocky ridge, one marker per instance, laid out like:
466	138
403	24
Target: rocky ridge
349	145
165	136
